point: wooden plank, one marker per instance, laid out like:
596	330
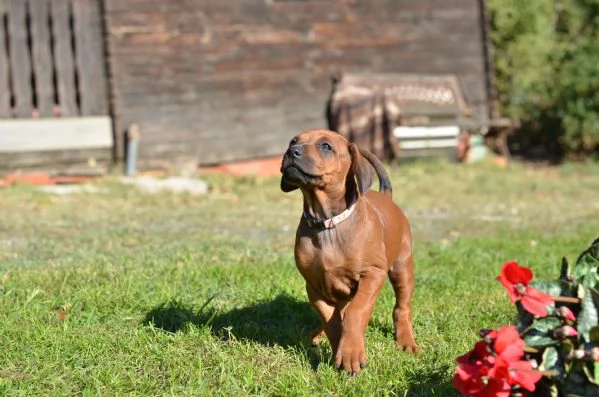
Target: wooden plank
42	56
4	69
89	51
19	57
423	133
86	160
166	7
55	134
63	58
406	156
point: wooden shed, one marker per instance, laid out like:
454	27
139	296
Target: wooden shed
221	80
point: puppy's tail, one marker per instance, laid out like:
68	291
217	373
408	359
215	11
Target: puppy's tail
384	182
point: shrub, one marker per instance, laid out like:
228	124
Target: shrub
547	76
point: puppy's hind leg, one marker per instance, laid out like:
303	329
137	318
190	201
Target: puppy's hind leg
401	276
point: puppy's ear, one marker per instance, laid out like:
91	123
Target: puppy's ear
286	187
361	169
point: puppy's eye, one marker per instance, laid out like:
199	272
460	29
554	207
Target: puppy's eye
326	147
293	141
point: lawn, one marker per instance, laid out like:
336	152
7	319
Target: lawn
118	291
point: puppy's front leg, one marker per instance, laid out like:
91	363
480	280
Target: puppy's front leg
329	315
351	354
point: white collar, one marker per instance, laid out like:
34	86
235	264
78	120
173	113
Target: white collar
331	222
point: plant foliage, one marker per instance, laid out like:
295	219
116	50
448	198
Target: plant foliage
546	56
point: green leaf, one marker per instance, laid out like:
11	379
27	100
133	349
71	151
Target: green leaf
591	372
544	325
550	359
587	265
587	317
552	362
553	288
565	271
586	275
595	295
590	255
540	332
594	334
537	341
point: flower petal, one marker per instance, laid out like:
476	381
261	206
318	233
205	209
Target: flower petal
509	287
538	295
467	379
511	354
476	355
517	274
498	383
522	373
536	302
508	336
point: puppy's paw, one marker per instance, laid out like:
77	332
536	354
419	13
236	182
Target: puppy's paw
351	356
408	345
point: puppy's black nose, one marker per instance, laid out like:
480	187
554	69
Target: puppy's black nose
295	151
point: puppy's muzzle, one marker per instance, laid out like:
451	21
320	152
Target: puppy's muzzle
295	157
295	152
296	167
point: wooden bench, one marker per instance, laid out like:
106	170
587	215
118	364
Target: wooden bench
420	141
407	115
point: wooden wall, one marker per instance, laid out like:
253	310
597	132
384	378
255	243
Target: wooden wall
221	80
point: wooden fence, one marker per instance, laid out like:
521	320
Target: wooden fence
52	65
51	59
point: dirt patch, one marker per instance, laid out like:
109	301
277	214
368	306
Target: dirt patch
269	166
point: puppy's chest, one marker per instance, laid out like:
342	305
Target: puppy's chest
332	271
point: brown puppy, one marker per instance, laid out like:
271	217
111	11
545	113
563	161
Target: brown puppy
348	240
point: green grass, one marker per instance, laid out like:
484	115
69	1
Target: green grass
121	292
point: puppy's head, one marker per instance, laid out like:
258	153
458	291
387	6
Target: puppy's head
321	159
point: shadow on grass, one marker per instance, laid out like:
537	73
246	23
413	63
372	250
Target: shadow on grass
283	321
430	383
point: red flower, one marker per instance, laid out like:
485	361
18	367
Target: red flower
508	343
479	353
508	348
521	373
515	279
494	365
480	381
474	374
